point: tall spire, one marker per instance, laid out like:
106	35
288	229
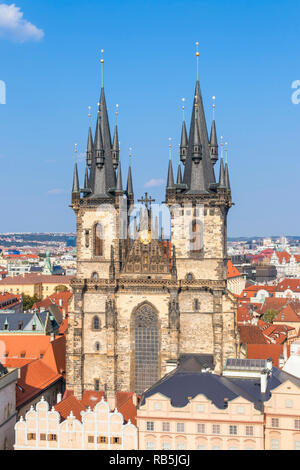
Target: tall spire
213	142
199	172
197	147
129	190
170	182
184	139
227	179
222	184
99	149
76	186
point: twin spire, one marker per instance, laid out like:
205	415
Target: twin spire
103	174
198	152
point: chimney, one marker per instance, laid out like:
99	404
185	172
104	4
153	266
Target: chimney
134	399
52	337
269	364
59	397
263	381
111	399
281	361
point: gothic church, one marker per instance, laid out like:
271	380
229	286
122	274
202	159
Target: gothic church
141	299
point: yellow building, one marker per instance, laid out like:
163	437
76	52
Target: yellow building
34	284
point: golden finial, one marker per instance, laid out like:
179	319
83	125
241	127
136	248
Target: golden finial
183	107
76	151
102	67
214	106
197	55
102	59
170	148
90	114
117	112
197	52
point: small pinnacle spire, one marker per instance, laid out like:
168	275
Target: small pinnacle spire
213	142
184	139
179	175
129	190
76	187
116	144
197	147
119	178
99	150
222	171
170	182
90	145
86	179
227	179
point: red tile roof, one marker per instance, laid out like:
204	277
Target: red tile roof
273	303
288	313
68	404
232	271
264	351
15	345
57	299
251	334
283	255
36	279
291	284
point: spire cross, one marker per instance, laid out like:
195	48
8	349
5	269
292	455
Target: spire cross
76	152
102	68
130	156
170	148
183	108
90	115
146	200
197	55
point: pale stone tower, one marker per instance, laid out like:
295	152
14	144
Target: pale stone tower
141	301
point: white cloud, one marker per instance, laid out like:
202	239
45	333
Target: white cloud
14	26
154	183
55	192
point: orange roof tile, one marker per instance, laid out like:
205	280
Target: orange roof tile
291	284
264	351
232	271
251	334
68	404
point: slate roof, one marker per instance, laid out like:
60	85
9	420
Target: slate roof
180	385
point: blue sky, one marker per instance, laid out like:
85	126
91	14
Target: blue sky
249	57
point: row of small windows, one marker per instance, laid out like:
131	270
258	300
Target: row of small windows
201	428
181	446
91	439
275	423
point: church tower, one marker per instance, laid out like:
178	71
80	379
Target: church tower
141	300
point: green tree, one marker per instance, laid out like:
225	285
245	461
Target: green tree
28	301
269	315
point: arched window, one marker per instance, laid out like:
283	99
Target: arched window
98	246
95	276
97	385
97	346
146	348
96	323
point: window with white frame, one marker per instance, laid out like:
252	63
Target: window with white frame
297	445
275	444
241	410
166	446
275	423
157	406
288	403
166	427
150	445
216	429
201	428
233	430
200	408
150	426
297	424
180	427
249	431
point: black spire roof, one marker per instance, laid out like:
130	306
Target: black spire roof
179	175
129	190
76	187
170	182
199	173
213	143
102	174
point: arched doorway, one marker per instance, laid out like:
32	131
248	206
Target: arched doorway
146	347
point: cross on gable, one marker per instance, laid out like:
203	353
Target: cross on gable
146	200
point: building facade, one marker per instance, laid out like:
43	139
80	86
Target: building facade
8	381
99	429
143	297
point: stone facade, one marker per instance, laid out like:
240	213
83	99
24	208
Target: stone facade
141	300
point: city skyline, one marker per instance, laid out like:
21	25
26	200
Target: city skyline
47	104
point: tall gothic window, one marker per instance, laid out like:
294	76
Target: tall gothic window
98	246
146	348
96	323
196	242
